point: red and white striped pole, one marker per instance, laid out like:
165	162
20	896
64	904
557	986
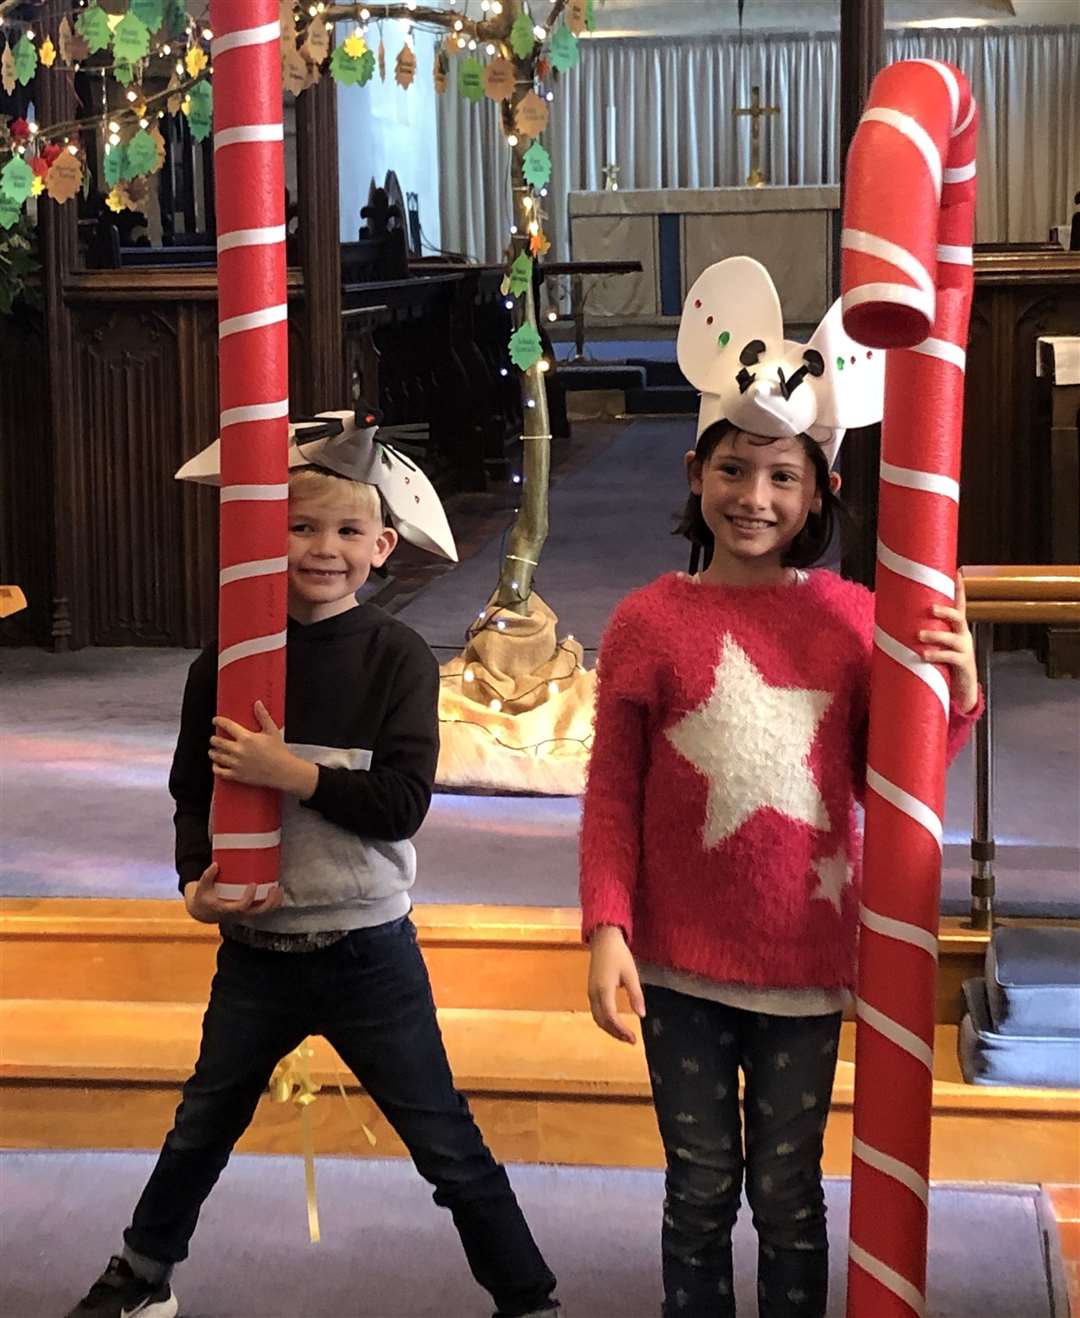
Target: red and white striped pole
249	183
909	215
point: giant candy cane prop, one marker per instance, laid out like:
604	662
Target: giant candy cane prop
249	178
907	283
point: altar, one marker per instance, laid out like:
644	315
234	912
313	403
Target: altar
675	234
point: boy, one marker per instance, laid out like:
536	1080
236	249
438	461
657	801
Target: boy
332	950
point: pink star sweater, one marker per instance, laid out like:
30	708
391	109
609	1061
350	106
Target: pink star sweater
719	826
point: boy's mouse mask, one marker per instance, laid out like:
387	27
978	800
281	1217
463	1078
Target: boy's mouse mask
732	348
346	444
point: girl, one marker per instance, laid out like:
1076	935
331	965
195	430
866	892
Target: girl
719	848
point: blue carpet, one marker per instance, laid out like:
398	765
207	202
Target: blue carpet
387	1252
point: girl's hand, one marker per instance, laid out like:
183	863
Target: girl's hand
204	904
955	648
611	966
260	759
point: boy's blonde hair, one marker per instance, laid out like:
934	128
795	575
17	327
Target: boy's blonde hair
318	483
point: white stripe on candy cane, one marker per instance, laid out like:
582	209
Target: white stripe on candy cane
251	238
245	649
914	664
253	320
892	1281
245	842
966	119
893	1167
897	1034
900	930
907	567
961	173
247	36
236	416
943	350
907	804
858	240
249	133
954	255
916	135
929	481
256	567
260	493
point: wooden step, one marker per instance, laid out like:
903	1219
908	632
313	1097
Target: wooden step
525	958
546	1086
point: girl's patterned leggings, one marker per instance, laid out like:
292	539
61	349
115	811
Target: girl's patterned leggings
695	1050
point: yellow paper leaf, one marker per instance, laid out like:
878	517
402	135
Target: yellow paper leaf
7	70
316	44
64	178
38	186
195	61
115	201
47	53
355	45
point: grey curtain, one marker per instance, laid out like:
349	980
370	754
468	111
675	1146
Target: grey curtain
675	126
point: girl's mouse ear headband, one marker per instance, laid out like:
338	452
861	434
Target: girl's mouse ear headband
346	443
732	348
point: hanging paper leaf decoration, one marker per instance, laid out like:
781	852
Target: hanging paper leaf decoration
471	80
38	186
15	179
200	110
150	12
93	26
367	67
294	70
117	166
175	21
440	70
381	59
47	54
525	347
520	274
173	103
124	73
316	44
349	71
576	19
499	78
64	178
521	36
564	50
115	201
405	67
159	147
25	60
531	115
131	40
10	210
538	243
7	71
142	152
65	35
590	15
537	165
195	61
355	45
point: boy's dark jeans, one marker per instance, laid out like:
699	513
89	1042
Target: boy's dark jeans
695	1049
369	995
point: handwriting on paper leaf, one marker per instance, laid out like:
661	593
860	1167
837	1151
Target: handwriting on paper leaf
150	12
142	153
531	115
25	60
471	80
405	67
16	179
564	50
131	40
294	70
525	347
93	26
520	274
576	17
316	43
7	71
10	210
537	165
499	78
521	36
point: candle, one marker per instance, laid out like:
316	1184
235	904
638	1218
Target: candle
611	134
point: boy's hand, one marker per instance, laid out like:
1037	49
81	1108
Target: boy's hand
611	966
260	759
955	648
204	904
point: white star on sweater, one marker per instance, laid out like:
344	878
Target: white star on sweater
752	742
834	875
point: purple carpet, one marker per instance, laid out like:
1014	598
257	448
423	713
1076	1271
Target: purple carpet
387	1252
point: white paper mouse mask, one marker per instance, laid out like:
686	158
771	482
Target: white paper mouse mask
732	348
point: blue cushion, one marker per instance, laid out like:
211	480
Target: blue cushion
989	1058
1033	981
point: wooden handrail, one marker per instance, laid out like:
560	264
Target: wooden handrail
1013	592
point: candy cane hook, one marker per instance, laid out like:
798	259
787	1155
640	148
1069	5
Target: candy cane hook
907	283
249	178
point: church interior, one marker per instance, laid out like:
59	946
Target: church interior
491	219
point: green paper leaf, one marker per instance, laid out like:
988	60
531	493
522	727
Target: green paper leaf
537	166
150	12
174	24
200	110
124	73
564	49
131	40
367	67
521	35
525	347
16	179
521	274
142	152
117	166
590	14
25	59
344	68
471	80
93	26
10	210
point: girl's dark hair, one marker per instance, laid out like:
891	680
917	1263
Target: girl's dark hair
812	542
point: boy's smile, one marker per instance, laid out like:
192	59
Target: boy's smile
333	545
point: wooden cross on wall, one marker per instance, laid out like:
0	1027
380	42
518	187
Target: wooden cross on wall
756	179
